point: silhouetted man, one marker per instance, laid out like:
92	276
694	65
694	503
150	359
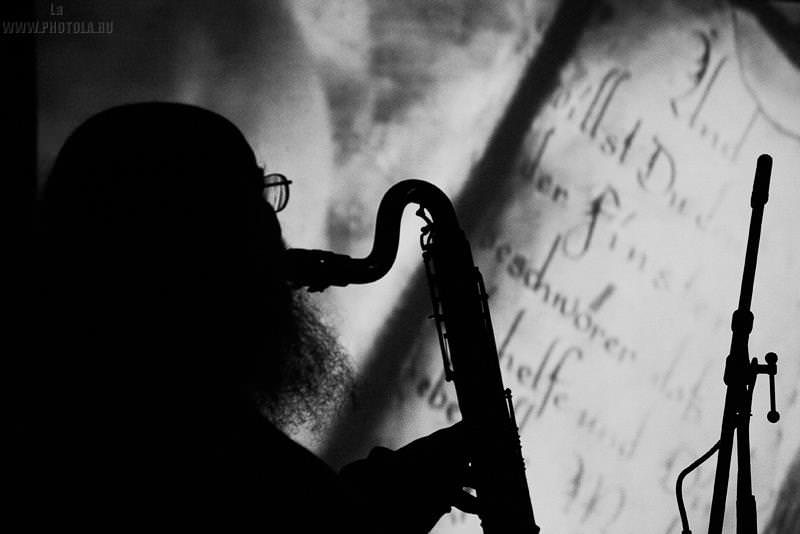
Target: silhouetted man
170	338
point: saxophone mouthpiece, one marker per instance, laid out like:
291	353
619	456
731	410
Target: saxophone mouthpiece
317	269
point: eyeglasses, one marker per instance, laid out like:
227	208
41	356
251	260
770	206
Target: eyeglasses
276	190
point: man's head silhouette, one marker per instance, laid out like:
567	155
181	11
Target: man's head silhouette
164	268
167	324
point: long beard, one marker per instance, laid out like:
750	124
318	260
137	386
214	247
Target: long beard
315	378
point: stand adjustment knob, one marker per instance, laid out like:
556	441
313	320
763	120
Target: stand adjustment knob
772	368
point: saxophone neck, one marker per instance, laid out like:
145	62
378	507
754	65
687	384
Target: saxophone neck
319	269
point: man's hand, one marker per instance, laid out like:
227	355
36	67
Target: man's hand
419	482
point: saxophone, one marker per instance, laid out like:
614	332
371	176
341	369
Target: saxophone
466	338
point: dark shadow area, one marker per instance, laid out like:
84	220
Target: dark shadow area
785	518
781	20
18	119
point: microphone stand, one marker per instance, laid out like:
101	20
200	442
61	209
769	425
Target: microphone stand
740	377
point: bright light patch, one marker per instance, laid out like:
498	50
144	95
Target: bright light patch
613	251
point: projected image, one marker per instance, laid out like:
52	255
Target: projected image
600	158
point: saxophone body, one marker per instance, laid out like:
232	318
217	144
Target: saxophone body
466	337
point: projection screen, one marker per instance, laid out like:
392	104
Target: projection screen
600	156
